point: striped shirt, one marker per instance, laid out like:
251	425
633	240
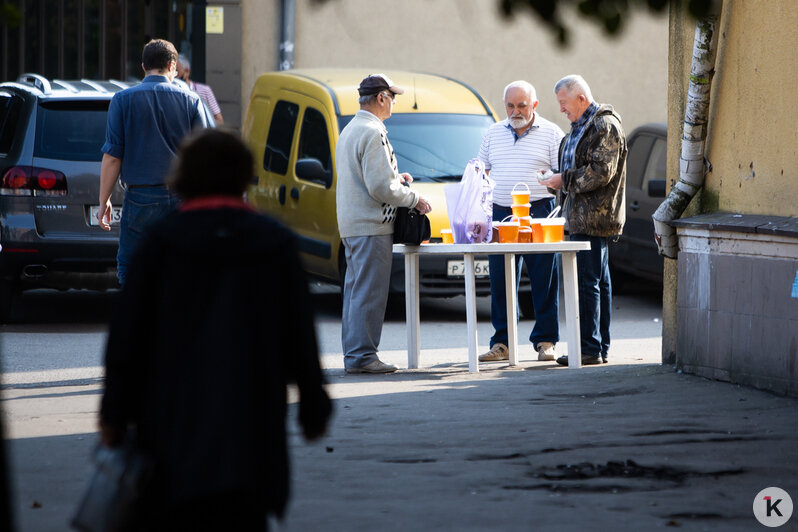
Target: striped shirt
513	159
206	93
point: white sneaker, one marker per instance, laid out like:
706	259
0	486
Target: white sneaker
546	351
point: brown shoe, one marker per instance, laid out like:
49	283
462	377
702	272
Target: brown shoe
375	366
496	353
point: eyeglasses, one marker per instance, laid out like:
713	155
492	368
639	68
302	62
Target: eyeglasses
390	95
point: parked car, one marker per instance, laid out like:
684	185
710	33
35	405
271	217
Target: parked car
51	133
292	124
635	253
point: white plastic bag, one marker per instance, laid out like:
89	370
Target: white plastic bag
470	205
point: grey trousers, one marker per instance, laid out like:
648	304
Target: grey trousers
368	273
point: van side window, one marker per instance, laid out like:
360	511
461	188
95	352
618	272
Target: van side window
637	160
10	108
655	169
314	142
281	133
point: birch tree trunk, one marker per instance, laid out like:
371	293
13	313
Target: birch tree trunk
691	162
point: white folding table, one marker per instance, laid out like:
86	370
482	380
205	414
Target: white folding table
567	251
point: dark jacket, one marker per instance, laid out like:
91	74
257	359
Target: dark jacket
213	322
595	199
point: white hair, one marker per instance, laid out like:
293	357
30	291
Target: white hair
525	86
184	62
574	83
368	98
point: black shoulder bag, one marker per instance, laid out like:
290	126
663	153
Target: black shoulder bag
410	227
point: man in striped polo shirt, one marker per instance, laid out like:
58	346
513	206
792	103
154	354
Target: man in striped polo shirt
513	151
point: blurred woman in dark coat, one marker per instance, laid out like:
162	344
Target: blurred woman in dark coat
212	324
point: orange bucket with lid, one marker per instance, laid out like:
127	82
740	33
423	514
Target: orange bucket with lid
447	236
520	210
525	235
508	230
537	230
553	229
520	196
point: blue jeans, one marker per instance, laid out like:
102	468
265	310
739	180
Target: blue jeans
595	295
141	207
544	278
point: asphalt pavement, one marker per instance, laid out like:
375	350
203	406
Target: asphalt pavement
630	445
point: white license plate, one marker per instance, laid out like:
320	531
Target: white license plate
116	215
456	268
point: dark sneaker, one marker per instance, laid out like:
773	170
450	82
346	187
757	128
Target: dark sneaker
375	366
604	359
497	352
587	360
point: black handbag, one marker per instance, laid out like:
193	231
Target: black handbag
410	227
113	499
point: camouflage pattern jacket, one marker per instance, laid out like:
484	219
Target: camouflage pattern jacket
594	202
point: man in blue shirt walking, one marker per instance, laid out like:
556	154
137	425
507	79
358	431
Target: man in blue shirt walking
146	124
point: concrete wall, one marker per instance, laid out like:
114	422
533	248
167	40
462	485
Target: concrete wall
737	320
753	147
470	41
753	138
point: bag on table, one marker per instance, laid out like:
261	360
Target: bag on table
112	501
470	205
410	227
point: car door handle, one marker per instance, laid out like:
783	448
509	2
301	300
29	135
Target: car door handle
294	193
281	194
634	206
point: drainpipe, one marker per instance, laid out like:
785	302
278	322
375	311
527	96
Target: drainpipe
287	35
693	166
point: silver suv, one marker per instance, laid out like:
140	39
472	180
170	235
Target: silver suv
51	134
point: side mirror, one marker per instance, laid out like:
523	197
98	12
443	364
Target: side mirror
656	188
313	170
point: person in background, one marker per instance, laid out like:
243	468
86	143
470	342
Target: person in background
204	91
369	189
591	188
513	151
140	145
213	323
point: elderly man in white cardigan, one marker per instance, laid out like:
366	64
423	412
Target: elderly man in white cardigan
369	189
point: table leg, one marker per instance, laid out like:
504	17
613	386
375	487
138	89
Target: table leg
512	307
571	297
471	311
412	315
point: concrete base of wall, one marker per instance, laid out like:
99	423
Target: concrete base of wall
737	313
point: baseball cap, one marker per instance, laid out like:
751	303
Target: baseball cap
375	83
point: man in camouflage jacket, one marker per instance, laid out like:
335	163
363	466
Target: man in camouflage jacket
591	190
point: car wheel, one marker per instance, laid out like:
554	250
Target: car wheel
525	306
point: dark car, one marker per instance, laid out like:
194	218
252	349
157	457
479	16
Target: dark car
51	134
635	253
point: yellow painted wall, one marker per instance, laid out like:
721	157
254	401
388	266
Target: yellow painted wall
470	41
753	135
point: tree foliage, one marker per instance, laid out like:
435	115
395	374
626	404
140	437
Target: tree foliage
609	14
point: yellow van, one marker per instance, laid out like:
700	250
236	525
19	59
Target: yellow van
292	124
